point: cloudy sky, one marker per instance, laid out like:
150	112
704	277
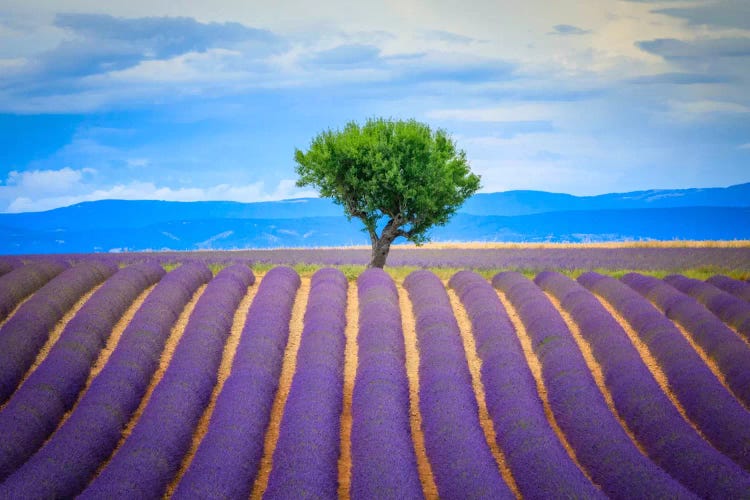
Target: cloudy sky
194	100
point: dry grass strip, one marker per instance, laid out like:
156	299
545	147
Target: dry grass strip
649	360
227	357
536	370
54	336
109	347
350	372
475	367
288	367
166	357
429	488
594	367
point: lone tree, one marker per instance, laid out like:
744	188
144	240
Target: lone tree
398	177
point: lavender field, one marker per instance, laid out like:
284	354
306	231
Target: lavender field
705	258
234	375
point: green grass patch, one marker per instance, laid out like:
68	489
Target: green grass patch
215	268
399	273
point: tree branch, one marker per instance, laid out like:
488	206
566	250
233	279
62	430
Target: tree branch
373	236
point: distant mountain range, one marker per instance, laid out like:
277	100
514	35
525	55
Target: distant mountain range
522	216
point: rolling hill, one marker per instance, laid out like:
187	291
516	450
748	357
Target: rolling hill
522	216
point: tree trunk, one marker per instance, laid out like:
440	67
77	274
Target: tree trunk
380	250
381	245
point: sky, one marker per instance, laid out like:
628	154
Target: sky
188	100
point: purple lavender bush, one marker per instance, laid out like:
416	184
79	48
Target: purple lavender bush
23	281
543	258
657	425
9	263
737	288
718	415
462	463
37	407
601	444
730	353
732	310
24	334
151	456
384	464
67	461
228	457
538	461
305	461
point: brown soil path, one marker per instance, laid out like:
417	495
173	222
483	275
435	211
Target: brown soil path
350	373
54	336
429	488
475	367
166	357
712	365
594	368
106	352
536	370
227	357
15	309
649	360
288	367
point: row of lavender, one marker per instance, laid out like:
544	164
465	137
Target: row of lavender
599	441
541	466
151	455
666	456
229	456
719	416
79	445
384	464
676	259
461	460
680	462
38	405
639	401
26	331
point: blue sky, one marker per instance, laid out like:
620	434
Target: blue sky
208	100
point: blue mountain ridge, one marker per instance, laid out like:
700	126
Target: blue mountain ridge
521	216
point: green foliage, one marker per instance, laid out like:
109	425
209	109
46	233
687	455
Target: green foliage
398	171
304	269
262	267
216	267
399	273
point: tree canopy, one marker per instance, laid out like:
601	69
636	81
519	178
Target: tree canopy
399	177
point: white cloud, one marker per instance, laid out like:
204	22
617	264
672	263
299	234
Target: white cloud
12	64
213	65
506	113
690	111
704	107
573	88
138	162
444	32
25	199
47	181
509	174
